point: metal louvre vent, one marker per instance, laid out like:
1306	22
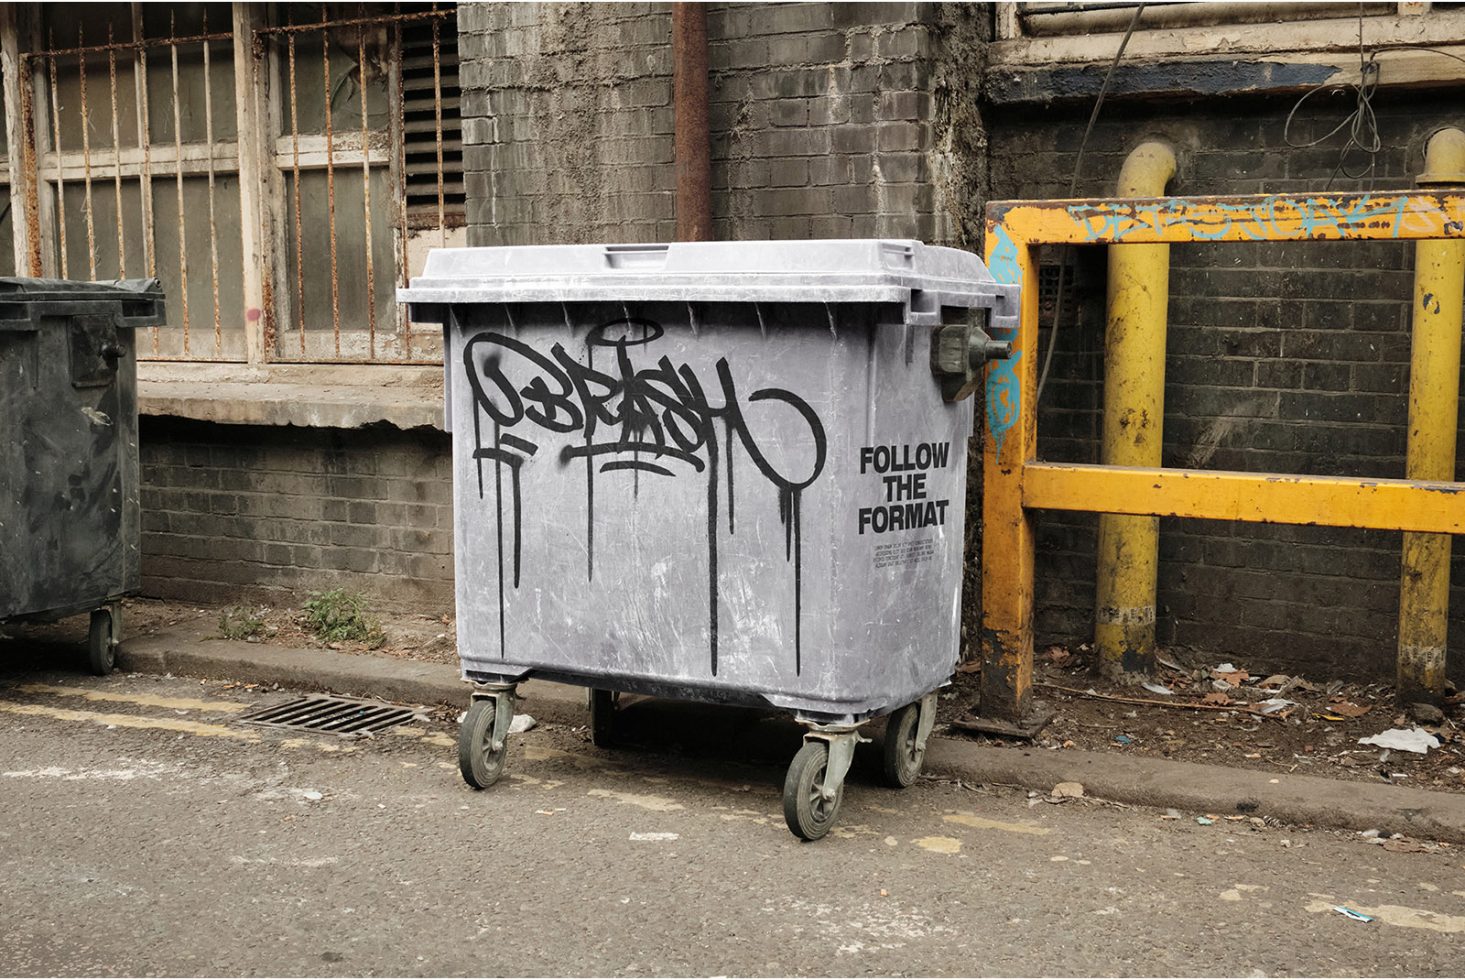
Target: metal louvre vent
332	715
431	99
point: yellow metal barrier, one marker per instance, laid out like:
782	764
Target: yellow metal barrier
1013	480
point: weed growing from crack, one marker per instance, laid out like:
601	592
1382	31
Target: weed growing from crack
340	616
240	623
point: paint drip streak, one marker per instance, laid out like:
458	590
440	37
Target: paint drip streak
498	497
731	498
589	483
712	582
798	585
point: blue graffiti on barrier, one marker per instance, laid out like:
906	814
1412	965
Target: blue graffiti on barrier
1004	386
1273	218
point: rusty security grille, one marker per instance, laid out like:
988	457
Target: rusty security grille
332	715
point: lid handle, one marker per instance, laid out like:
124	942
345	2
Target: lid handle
636	256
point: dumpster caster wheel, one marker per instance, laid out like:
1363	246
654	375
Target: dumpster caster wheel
602	717
101	643
901	759
806	809
478	761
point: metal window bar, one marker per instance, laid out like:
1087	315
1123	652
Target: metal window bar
67	74
316	144
407	143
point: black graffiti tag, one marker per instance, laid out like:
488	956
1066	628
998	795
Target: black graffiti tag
644	419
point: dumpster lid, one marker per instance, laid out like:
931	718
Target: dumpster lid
129	302
827	271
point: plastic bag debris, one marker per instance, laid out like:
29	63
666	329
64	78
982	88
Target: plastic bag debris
1204	821
1125	739
521	723
1415	740
1157	689
656	836
1273	705
1353	914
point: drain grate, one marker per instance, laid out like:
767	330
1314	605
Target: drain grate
333	715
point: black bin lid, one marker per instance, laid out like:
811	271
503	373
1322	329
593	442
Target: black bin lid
127	302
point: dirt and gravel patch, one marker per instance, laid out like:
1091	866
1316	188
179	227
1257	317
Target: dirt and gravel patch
1243	716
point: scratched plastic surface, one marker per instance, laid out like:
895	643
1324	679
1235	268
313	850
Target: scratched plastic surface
752	502
69	514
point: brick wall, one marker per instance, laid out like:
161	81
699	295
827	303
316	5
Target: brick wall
272	513
1282	357
827	121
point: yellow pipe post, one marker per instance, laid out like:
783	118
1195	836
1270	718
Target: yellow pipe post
1134	411
1434	398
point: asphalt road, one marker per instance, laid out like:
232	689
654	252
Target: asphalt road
144	830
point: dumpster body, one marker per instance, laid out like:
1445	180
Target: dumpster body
722	472
69	512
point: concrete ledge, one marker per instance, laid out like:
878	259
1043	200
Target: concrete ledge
1131	779
275	403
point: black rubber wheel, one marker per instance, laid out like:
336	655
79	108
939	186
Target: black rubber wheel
101	650
602	717
805	810
900	762
480	765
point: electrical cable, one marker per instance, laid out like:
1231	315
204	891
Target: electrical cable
1362	122
1072	191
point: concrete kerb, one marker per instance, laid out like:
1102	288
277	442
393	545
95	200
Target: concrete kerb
1121	778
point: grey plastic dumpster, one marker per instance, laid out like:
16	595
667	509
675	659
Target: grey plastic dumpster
69	517
724	472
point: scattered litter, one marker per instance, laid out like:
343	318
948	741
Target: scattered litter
1353	913
1157	689
1427	714
1168	663
1216	698
1276	680
1415	740
1126	740
1368	833
1348	709
660	835
1057	655
1226	668
521	723
1273	705
1204	821
1407	846
313	795
1229	674
1067	791
1170	815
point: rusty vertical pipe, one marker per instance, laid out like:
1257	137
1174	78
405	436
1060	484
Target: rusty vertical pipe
693	142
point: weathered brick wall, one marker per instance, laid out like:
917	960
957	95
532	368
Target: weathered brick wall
1282	357
272	513
827	121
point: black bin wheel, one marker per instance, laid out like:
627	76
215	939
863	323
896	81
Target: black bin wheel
602	717
101	645
480	765
900	761
808	814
